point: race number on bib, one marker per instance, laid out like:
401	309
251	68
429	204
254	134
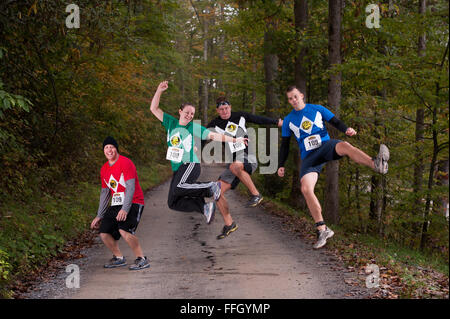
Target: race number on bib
117	199
174	154
234	147
312	142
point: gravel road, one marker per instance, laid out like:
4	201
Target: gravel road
259	260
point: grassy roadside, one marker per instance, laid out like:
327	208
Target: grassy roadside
35	231
404	273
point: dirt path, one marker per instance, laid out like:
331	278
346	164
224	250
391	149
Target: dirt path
259	260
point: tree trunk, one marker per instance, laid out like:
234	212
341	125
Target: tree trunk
220	46
254	69
271	75
417	208
426	220
271	80
331	206
301	21
442	180
205	90
378	182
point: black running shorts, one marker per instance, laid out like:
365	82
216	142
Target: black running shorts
315	161
110	225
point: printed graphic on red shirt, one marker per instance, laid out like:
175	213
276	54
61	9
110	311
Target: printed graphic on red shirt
115	177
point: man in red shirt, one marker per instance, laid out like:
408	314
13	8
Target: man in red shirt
121	206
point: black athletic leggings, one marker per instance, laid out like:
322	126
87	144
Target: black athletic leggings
185	193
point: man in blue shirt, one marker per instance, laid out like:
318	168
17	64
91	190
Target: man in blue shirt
306	123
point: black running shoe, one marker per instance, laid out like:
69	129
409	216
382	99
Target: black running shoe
254	200
227	230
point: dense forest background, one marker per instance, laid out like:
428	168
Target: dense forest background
63	90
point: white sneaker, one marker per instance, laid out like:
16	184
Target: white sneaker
381	161
323	236
209	211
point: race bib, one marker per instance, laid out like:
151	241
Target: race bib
174	154
234	147
312	142
117	199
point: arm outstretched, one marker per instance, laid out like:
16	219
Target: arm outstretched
154	106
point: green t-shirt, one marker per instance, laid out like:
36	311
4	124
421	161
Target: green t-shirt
180	136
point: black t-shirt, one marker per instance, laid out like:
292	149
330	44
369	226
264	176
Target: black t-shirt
235	125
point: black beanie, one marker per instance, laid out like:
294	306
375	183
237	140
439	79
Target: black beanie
112	141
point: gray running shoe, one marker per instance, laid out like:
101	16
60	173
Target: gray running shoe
215	190
254	200
116	262
227	230
140	263
323	235
209	210
381	161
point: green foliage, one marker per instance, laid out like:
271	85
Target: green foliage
8	101
62	91
5	269
34	231
384	81
83	84
4	266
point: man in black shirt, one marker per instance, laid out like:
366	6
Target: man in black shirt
244	164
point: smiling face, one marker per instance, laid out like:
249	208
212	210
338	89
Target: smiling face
111	153
186	114
224	111
295	98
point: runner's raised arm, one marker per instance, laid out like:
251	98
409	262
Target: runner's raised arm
154	106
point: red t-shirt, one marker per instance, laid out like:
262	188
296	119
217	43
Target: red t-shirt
114	177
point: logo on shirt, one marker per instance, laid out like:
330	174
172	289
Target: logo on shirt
175	140
231	128
113	183
306	125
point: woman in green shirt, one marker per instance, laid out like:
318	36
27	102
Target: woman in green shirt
186	194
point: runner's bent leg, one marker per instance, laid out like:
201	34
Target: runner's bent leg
111	243
222	204
187	182
237	168
186	200
355	154
133	242
308	182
